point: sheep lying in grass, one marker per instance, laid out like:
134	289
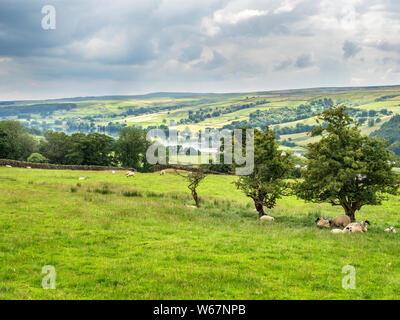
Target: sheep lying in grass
323	222
337	231
267	218
340	221
357	227
391	229
8	166
82	178
113	172
129	174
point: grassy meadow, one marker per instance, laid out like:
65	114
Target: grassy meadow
110	237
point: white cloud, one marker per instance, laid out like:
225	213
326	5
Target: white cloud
212	26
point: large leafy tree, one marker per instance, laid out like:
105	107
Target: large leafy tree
15	141
131	148
346	168
266	183
78	149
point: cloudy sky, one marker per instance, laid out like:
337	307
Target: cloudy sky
104	47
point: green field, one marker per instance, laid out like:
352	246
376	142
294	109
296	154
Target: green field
105	244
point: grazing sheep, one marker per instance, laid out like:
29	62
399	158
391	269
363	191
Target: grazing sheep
323	222
340	221
357	226
130	174
28	167
162	172
267	218
82	178
337	231
8	166
390	229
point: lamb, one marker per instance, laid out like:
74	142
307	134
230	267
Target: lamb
130	174
162	172
322	222
340	221
391	229
267	218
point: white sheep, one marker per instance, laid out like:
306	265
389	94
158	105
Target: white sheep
8	166
113	172
82	178
337	231
130	174
323	222
267	218
391	229
162	172
357	226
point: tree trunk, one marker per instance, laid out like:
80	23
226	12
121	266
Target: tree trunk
195	198
350	212
259	208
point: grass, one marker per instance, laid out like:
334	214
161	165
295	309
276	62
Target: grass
140	240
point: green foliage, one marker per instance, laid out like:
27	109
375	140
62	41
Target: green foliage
131	147
15	142
390	131
271	166
78	149
37	158
346	168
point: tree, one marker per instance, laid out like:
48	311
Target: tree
37	158
346	168
78	149
131	147
271	166
15	141
194	179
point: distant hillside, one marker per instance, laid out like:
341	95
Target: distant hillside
391	132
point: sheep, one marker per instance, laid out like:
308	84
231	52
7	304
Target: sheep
322	222
28	167
130	174
82	178
8	166
357	226
340	221
113	172
337	231
267	218
391	229
162	172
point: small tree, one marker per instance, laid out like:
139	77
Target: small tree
346	168
37	158
194	179
271	166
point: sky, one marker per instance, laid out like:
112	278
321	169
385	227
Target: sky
121	47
